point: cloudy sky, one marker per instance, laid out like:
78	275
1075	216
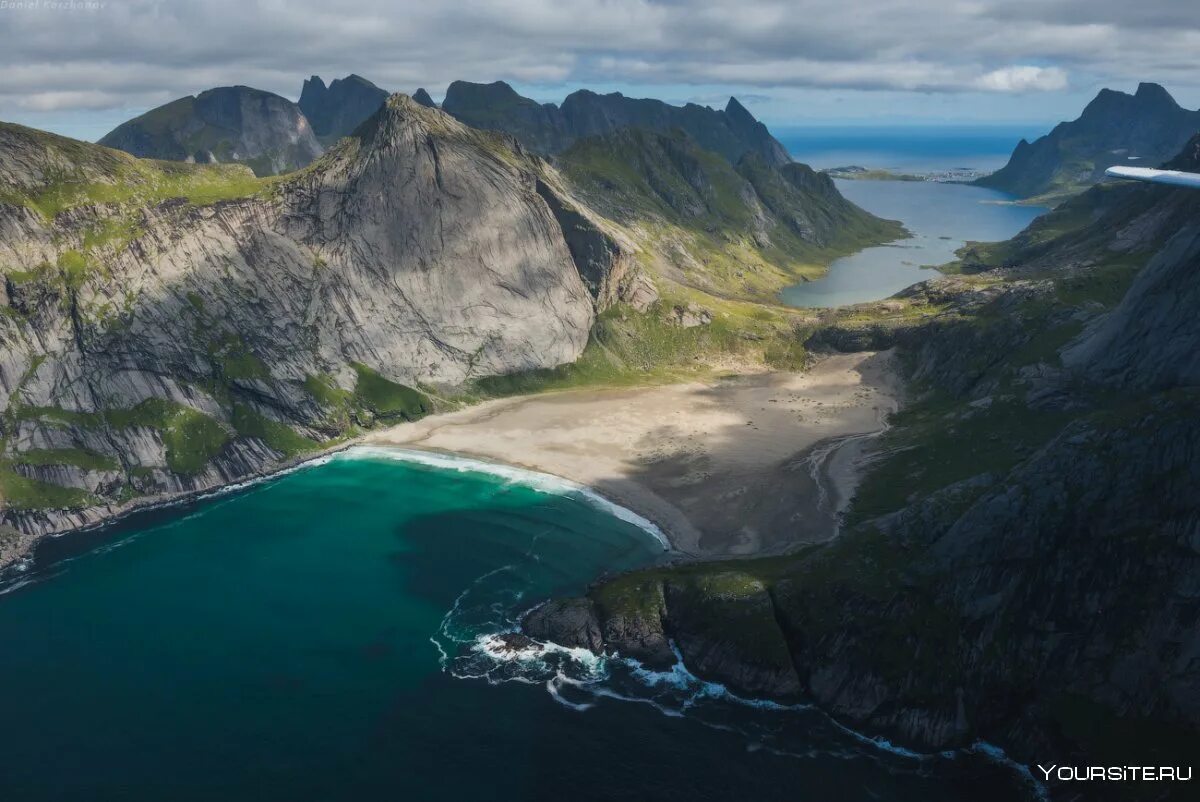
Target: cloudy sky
82	66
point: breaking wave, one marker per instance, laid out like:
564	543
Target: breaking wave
535	480
479	639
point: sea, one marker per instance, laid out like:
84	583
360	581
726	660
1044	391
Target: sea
330	634
940	215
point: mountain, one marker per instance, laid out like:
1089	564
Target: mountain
546	128
743	230
497	107
335	111
422	97
1019	564
266	132
1145	128
171	327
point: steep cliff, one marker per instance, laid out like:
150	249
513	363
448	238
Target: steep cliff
228	124
334	111
1145	129
1022	559
171	327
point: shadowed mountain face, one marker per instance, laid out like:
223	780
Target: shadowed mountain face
422	97
546	128
335	111
266	132
1020	563
1143	129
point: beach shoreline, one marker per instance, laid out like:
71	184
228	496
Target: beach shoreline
659	468
743	465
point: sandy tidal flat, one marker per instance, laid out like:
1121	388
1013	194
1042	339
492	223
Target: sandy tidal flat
742	465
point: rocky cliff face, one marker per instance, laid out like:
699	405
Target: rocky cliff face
1022	561
546	128
228	124
170	328
334	111
1145	129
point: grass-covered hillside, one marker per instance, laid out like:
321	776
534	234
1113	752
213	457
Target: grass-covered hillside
741	231
1021	545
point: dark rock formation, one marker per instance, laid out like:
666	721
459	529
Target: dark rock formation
228	124
335	111
1143	129
498	107
1034	582
422	97
547	128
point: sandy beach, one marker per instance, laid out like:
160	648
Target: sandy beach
748	464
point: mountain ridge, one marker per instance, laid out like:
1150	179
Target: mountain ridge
548	128
173	327
1018	564
336	110
1115	128
226	124
192	324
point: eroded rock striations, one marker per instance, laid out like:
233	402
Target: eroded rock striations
169	328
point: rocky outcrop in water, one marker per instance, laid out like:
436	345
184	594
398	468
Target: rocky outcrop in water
266	132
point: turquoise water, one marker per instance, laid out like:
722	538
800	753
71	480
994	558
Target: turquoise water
325	636
940	216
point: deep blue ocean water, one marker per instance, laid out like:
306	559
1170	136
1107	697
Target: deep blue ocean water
901	148
329	635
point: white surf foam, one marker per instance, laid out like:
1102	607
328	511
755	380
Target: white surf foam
535	480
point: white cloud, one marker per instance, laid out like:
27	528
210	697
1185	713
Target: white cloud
137	53
1023	79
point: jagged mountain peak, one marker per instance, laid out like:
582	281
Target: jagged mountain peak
423	97
547	129
402	113
738	112
1115	128
337	109
1155	93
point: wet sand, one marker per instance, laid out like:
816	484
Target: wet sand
749	464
